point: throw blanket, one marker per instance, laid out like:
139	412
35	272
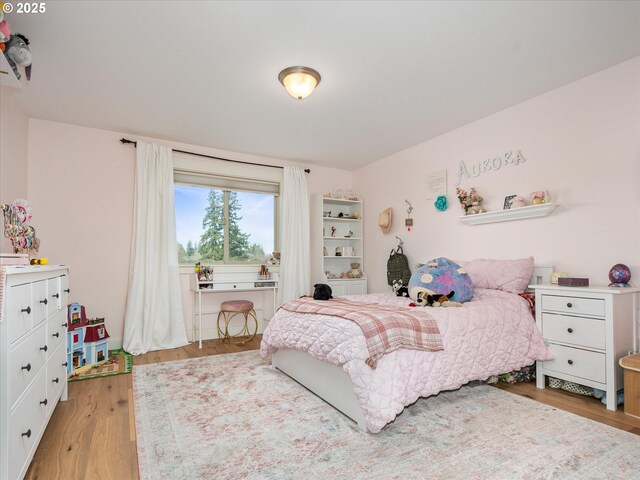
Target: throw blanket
385	328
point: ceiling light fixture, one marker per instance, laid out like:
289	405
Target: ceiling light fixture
299	81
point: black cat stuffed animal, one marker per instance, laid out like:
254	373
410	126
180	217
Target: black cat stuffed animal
322	291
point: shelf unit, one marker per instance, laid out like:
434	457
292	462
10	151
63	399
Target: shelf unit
324	217
7	77
530	211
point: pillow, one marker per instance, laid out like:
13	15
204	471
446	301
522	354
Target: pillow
441	276
507	275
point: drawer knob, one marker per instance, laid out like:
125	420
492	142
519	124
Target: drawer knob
569	305
65	364
570	362
234	286
44	402
67	290
27	433
570	330
55	380
45	301
57	334
65	324
57	295
45	348
27	367
28	310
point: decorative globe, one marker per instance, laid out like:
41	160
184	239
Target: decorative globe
619	274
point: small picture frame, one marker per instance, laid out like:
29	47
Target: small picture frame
507	201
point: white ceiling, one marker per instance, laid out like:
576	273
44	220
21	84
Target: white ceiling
394	74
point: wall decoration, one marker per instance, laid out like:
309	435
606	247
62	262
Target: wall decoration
507	201
512	157
408	222
22	236
441	203
537	198
471	203
437	184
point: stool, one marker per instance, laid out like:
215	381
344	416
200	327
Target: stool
230	309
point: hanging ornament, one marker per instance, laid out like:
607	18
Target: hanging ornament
408	222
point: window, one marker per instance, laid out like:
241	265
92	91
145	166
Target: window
224	220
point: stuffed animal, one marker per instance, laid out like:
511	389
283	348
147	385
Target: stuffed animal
5	29
399	289
441	275
427	300
19	55
355	271
322	292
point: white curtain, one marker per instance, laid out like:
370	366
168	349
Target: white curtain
153	318
295	263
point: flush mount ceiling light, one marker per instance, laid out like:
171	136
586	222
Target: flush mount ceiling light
299	81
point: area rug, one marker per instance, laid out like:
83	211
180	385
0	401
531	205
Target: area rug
119	362
233	417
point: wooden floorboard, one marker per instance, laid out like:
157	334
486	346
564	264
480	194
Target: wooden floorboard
92	434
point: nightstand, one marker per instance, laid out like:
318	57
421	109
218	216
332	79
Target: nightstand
588	330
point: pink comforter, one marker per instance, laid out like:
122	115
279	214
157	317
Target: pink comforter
494	333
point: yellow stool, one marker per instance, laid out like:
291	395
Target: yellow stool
230	309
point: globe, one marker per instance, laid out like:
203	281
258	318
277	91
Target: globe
619	275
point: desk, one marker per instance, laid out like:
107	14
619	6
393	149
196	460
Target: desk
225	283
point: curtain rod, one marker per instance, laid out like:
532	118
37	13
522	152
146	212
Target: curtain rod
125	140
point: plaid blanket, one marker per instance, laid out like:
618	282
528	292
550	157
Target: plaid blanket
385	328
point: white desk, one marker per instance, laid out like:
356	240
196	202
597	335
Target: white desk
225	283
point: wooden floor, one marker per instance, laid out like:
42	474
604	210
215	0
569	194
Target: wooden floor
92	434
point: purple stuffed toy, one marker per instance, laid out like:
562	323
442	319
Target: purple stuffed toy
441	276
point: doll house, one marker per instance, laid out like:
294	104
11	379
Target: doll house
88	340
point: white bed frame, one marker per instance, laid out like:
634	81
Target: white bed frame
331	383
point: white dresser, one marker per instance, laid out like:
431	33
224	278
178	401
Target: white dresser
588	330
33	374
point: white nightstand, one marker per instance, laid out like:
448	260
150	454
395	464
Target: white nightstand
588	330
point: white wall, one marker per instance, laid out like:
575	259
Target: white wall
81	189
581	142
14	128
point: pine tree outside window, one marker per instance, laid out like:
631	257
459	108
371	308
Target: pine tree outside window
218	224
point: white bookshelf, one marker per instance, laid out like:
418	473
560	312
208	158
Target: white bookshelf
347	237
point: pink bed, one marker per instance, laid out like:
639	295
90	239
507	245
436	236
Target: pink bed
492	334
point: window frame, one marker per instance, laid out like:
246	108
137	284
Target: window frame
228	173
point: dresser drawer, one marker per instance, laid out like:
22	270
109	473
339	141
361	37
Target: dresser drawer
581	331
56	375
573	305
25	424
56	331
26	360
39	301
54	296
233	286
19	311
579	363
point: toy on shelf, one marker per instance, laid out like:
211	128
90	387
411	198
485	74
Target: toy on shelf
5	29
537	198
39	261
87	342
18	54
